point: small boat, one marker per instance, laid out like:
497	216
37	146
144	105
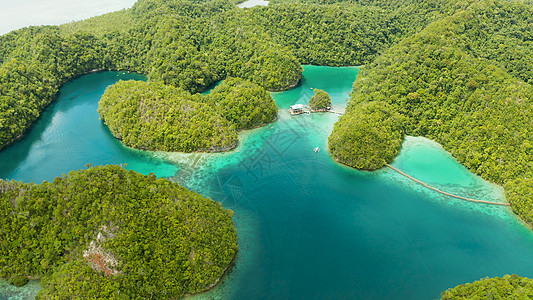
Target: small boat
316	150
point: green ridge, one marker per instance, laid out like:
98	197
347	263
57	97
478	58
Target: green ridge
508	287
479	109
155	238
152	116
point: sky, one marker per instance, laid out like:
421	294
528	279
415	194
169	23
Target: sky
15	14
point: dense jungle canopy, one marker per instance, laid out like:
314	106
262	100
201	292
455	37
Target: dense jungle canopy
464	82
154	116
458	72
507	287
193	44
320	100
109	233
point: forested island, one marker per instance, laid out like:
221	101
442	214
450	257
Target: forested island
193	44
109	233
154	116
457	72
320	100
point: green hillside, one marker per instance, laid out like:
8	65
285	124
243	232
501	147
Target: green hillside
152	116
457	72
108	233
193	44
468	94
508	287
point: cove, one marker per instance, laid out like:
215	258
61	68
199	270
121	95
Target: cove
308	227
70	135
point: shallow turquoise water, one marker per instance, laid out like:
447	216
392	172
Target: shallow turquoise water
70	135
308	228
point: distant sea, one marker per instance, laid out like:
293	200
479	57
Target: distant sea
23	13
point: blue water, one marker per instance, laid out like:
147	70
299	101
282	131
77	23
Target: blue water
308	228
70	134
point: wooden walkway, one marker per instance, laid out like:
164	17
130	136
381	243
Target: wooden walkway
335	112
310	111
444	193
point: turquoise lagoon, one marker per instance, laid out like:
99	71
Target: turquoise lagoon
308	227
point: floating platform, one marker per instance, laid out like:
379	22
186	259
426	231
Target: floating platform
299	109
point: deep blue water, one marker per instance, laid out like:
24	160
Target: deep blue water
308	227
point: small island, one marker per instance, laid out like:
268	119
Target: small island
109	233
456	72
155	116
373	137
245	104
321	101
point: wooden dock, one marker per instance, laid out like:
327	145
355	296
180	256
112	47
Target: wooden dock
338	113
445	193
308	110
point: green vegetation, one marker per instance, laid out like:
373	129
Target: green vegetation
457	72
153	116
372	138
108	233
18	280
34	64
320	100
243	103
181	48
464	80
453	84
193	44
99	26
508	287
